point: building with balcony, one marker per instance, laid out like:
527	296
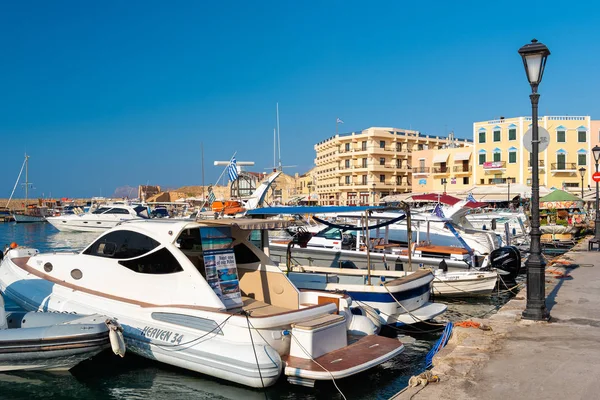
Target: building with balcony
449	169
500	156
360	168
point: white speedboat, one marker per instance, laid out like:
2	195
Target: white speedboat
101	219
202	296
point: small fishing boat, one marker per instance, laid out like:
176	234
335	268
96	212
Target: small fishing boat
52	341
398	298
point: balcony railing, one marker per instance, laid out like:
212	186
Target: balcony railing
441	170
565	166
540	163
420	170
462	168
494	164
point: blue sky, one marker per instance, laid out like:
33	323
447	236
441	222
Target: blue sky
114	93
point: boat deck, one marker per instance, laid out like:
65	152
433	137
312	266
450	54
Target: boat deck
442	249
352	356
258	308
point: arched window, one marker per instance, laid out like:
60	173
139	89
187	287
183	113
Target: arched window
482	133
561	134
582	157
512	155
561	159
497	134
482	154
512	132
497	154
582	134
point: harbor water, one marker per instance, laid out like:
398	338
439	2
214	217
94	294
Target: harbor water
109	377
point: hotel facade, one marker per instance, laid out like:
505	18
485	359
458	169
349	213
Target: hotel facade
360	168
500	156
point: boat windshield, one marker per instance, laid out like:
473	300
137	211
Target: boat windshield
330	233
111	210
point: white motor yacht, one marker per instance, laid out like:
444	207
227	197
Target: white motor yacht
101	219
203	296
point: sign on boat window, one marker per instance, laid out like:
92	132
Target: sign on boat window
220	265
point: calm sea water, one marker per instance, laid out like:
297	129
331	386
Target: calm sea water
109	377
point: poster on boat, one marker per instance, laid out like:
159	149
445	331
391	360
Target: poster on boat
220	266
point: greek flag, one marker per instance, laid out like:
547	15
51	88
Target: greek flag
470	198
211	195
339	121
232	170
437	211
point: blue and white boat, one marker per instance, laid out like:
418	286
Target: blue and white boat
400	301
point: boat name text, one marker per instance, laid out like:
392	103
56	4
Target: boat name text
161	334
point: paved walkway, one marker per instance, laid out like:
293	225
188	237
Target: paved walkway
524	359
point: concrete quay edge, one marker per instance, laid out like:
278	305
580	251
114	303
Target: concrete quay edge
476	363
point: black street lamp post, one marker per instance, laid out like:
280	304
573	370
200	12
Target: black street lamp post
582	173
444	181
596	152
534	56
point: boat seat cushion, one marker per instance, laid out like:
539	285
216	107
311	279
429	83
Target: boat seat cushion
316	323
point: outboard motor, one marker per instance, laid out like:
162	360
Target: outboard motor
507	261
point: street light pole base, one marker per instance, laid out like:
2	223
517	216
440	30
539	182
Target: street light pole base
536	314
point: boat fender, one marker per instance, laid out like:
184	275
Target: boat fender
363	324
115	333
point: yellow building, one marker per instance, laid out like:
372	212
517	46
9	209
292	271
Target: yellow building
305	187
447	170
360	168
499	154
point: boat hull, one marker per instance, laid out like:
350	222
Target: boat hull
464	284
77	223
22	218
397	302
55	342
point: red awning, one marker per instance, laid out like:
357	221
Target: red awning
440	198
446	199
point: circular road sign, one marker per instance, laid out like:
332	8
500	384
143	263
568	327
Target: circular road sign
596	177
543	136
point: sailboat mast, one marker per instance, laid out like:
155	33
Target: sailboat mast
279	138
274	148
26	180
202	152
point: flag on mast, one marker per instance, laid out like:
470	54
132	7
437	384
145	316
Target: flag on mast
211	195
339	121
232	169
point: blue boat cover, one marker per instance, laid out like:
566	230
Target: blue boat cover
311	210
